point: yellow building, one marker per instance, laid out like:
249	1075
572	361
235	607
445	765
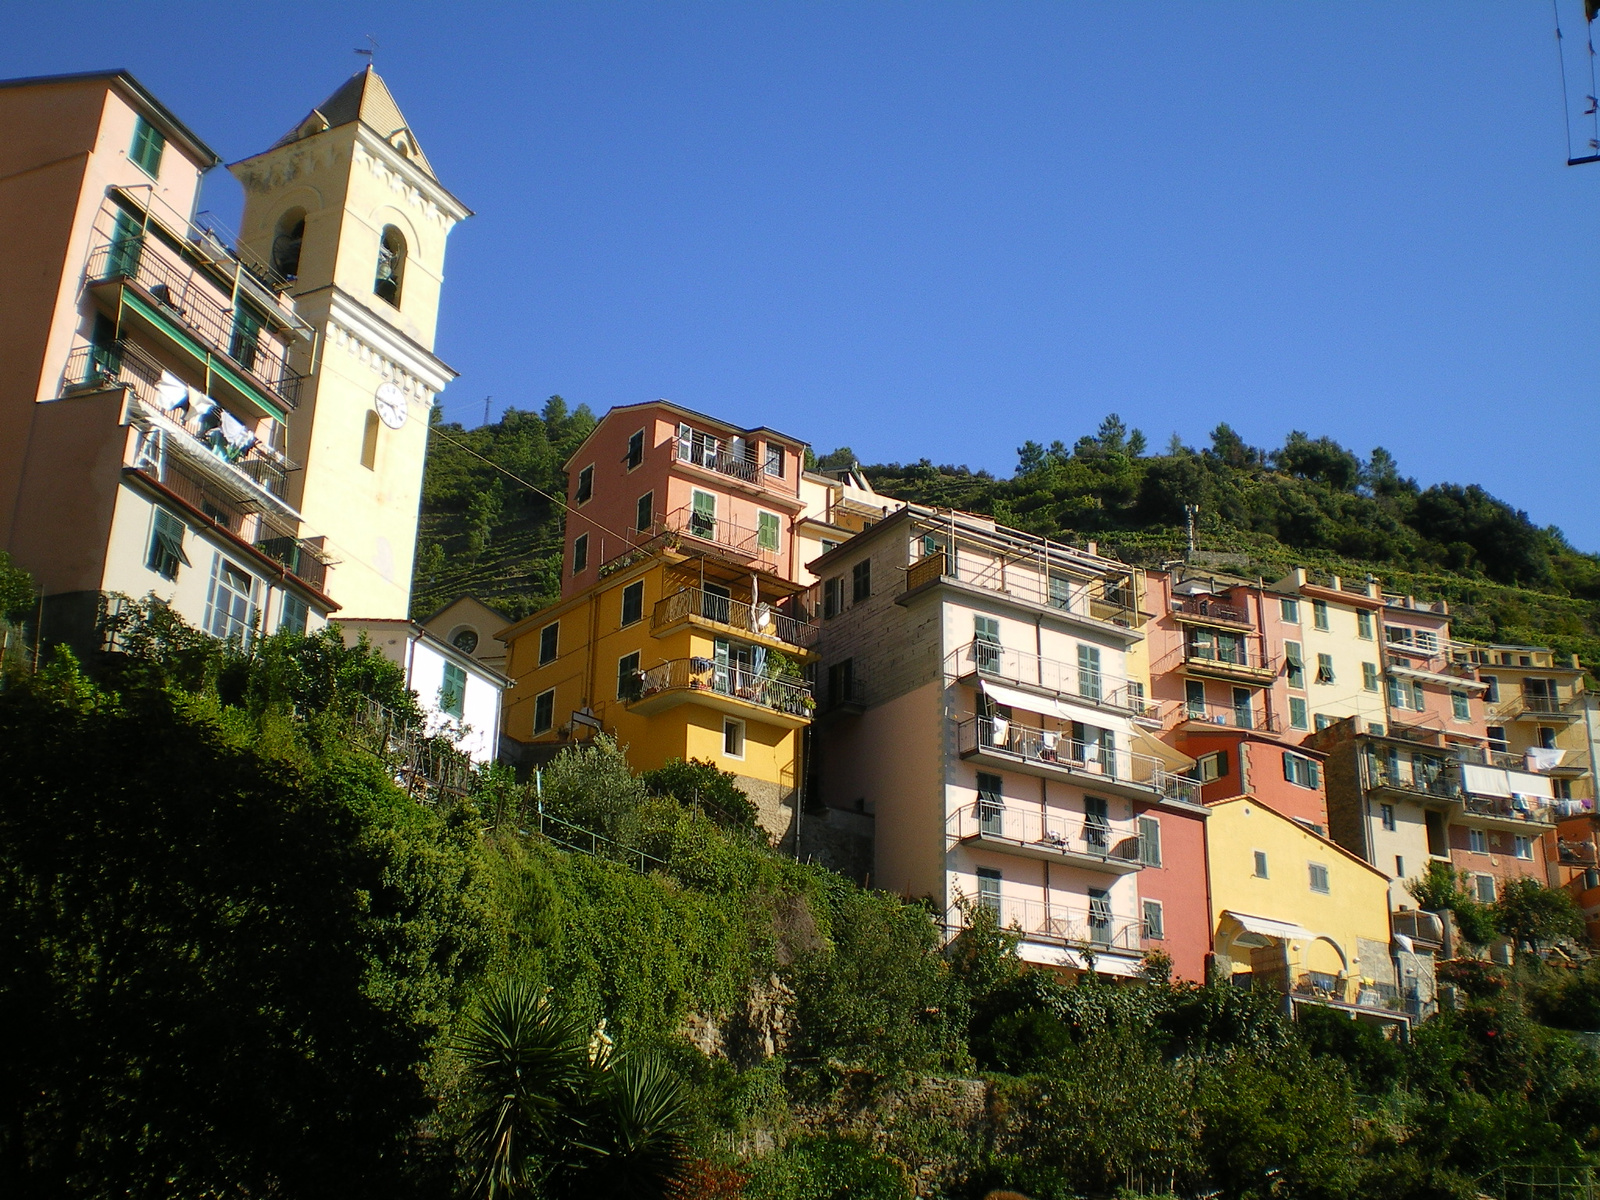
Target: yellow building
1294	912
685	635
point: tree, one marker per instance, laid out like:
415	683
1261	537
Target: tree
1323	460
699	784
1533	915
17	595
1229	448
841	459
1498	539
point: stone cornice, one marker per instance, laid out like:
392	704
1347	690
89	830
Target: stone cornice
354	328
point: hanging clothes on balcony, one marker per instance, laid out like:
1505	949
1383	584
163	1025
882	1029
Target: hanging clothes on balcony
172	393
232	438
1543	759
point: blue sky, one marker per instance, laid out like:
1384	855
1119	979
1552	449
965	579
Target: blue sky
938	229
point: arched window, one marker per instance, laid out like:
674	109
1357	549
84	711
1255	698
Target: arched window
286	243
391	265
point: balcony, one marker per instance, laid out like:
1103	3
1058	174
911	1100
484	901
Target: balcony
1419	926
739	691
1056	755
1546	709
1508	810
687	529
185	304
1027	580
1417	777
1208	610
1106	846
1234	661
1086	925
709	455
759	622
1225	716
987	660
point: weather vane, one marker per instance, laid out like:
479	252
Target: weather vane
371	52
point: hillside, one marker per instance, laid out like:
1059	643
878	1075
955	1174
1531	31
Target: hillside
1310	502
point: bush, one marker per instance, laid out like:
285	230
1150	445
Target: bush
830	1168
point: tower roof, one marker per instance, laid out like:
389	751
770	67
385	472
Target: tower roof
366	98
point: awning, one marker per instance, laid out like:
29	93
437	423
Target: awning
1105	962
1286	931
1523	784
1453	681
1050	707
1484	781
1172	758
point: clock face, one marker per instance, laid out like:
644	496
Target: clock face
391	405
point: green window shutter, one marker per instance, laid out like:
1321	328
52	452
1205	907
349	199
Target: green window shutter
247	326
453	691
148	146
767	531
127	240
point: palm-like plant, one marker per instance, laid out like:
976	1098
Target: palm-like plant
529	1068
643	1114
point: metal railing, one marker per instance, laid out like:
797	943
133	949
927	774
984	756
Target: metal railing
1116	841
124	365
1074	924
765	620
669	531
1509	808
1210	609
1228	715
421	763
1221	657
792	697
719	460
303	558
1428	777
1025	579
1068	679
1094	759
191	297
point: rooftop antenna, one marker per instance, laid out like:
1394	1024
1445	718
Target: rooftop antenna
486	400
370	51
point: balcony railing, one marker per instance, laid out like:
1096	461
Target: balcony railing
1068	679
1510	808
1073	924
1418	925
719	460
1210	609
1114	841
123	364
1093	760
1231	716
190	297
765	620
1431	777
789	696
1024	579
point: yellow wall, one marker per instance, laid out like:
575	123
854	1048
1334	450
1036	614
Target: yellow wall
1356	904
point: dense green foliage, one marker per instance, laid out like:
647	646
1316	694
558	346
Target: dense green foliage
1311	502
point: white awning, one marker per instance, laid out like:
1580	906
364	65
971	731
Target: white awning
1452	681
1105	962
1266	927
1523	784
1026	701
1484	781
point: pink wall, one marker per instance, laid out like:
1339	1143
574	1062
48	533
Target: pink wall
1180	884
1255	766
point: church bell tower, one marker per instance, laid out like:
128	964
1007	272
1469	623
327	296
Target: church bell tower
346	207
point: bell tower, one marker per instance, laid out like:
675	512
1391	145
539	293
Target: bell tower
346	207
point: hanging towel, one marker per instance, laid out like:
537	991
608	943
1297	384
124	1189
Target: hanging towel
1542	759
1051	740
172	393
236	433
200	404
999	729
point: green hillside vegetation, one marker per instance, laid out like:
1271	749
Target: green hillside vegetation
237	957
1310	502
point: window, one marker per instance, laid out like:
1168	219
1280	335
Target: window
1369	676
391	273
1497	739
585	485
767	532
629	684
1136	695
230	601
1547	738
1521	846
1060	591
1243	716
127	241
1319	877
1154	929
1089	672
703	515
986	643
841	682
1096	823
465	640
829	546
861	581
148	145
580	553
732	738
1210	767
1492	696
1261	865
1399	866
1298	716
991	804
774	460
1194	698
246	337
1290	610
1325	668
1319	614
1150	841
1294	664
1485	888
1099	915
644	512
369	442
1321	721
286	242
1460	706
635	450
633	602
166	545
1387	811
548	638
832	596
296	612
544	710
1299	770
989	889
1418	700
1364	624
453	691
1477	842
